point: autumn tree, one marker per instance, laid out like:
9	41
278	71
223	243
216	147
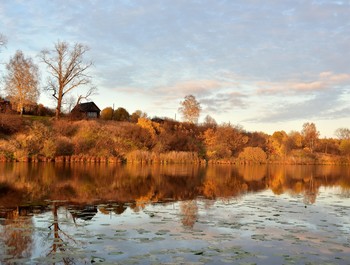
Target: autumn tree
294	140
136	115
209	122
67	70
190	109
277	144
22	80
224	141
107	113
344	147
343	133
121	114
253	155
310	135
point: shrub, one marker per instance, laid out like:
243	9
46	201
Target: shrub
35	139
107	113
253	155
65	128
64	146
6	149
345	147
21	154
86	136
121	114
10	123
139	156
49	148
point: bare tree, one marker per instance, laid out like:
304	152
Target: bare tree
67	69
92	91
343	133
21	81
190	109
209	121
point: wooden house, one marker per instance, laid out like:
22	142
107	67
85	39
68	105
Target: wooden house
5	105
88	110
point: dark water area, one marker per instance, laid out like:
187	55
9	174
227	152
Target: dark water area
174	214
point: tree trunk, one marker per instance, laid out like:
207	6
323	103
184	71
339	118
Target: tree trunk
58	108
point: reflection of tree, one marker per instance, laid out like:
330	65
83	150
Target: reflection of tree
228	182
252	172
189	211
151	196
277	180
345	193
310	190
60	238
84	183
117	208
16	234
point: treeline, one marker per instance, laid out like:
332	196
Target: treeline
145	140
28	108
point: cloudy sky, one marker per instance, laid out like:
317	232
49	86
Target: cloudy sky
265	65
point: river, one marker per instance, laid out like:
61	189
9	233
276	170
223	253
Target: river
174	214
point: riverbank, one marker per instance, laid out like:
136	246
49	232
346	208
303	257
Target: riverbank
156	141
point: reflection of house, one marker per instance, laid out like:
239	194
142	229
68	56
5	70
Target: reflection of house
86	110
85	212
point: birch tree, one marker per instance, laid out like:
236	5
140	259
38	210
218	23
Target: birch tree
190	109
310	134
67	70
21	81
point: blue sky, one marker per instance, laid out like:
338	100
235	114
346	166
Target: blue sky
265	65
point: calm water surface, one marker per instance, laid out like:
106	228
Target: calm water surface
174	214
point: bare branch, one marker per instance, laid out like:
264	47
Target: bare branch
67	68
89	93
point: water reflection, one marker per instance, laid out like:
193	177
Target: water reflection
69	194
22	183
16	233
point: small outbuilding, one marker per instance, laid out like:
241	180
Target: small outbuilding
5	105
88	110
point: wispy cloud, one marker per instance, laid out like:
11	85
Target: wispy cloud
327	104
324	81
280	60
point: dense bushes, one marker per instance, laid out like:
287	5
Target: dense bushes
157	141
253	155
10	124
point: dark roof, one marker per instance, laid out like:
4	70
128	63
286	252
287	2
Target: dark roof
4	100
86	107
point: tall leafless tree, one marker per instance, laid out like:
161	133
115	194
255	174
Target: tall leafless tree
22	80
67	70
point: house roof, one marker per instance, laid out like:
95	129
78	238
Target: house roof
86	107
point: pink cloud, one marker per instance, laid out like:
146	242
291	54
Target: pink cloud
324	81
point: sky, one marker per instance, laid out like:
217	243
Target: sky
264	65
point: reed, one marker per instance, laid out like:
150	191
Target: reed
173	157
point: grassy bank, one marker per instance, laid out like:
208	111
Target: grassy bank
165	141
